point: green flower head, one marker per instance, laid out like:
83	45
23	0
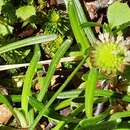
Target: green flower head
110	55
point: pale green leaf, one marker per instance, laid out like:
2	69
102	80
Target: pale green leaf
5	29
118	14
25	12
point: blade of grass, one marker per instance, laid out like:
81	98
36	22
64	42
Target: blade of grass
119	115
77	110
63	104
94	120
90	24
69	94
89	92
41	113
59	54
77	30
76	93
83	19
28	79
27	42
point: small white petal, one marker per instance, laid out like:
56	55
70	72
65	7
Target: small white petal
107	37
101	37
119	39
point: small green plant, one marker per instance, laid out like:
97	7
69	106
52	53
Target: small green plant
102	88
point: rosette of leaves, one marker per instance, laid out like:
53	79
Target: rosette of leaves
57	22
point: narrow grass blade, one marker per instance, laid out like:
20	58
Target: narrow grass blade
94	120
89	92
28	79
77	30
59	54
90	24
83	19
120	115
69	94
35	103
77	110
27	42
56	94
63	104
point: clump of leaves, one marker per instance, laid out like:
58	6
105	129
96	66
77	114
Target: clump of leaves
56	22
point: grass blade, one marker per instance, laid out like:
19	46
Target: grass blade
28	79
89	92
63	104
61	51
94	120
82	18
27	42
119	115
77	30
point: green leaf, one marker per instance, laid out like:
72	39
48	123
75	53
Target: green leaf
119	115
118	14
25	12
94	120
35	103
69	94
63	104
89	92
77	30
83	19
5	29
26	92
27	42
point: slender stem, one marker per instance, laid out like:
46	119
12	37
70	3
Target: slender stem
14	66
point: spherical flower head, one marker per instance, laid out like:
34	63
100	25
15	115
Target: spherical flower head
109	55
